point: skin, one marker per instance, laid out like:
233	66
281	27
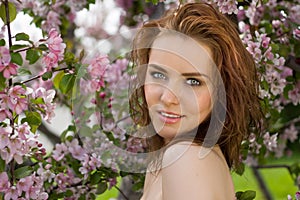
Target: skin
178	94
177	88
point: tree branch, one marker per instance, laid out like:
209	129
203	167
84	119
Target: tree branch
54	139
293	63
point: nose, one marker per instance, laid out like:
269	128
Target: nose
168	97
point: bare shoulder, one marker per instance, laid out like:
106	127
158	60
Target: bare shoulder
195	172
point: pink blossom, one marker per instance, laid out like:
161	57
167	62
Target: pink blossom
52	21
296	33
56	49
98	66
297	195
76	150
23	130
8	70
4	113
125	4
24	185
294	94
48	106
4	136
4	56
112	182
265	40
268	54
270	141
16	91
227	6
4	182
50	60
291	133
55	43
59	151
11	193
294	13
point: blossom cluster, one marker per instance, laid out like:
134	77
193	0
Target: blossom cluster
56	50
52	12
6	66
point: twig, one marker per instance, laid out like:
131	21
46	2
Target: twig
261	183
122	193
39	76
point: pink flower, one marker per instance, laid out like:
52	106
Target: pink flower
19	103
291	133
296	33
270	141
52	21
56	49
12	193
4	56
8	70
23	129
76	150
5	114
4	137
59	152
55	42
98	66
50	60
4	182
24	185
294	95
48	106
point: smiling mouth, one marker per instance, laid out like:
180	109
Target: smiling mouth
170	115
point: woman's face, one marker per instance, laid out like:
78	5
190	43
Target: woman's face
177	85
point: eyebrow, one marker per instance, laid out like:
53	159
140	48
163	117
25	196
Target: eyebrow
183	74
158	67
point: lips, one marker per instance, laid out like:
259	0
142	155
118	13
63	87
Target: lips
169	117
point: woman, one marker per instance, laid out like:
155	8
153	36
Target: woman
196	93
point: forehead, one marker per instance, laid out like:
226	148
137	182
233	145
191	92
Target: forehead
183	54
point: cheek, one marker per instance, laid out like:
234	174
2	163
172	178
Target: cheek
150	94
204	104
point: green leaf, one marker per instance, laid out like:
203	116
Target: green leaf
2	165
11	10
153	1
32	56
2	82
17	58
68	193
137	186
297	49
47	75
95	178
67	83
240	169
43	47
33	119
38	100
101	188
23	71
22	36
18	46
23	172
247	195
85	131
2	42
57	79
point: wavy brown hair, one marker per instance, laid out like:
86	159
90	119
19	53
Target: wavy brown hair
205	24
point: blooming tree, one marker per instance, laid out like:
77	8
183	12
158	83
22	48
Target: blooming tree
37	77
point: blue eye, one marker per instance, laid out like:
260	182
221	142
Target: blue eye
193	82
158	75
